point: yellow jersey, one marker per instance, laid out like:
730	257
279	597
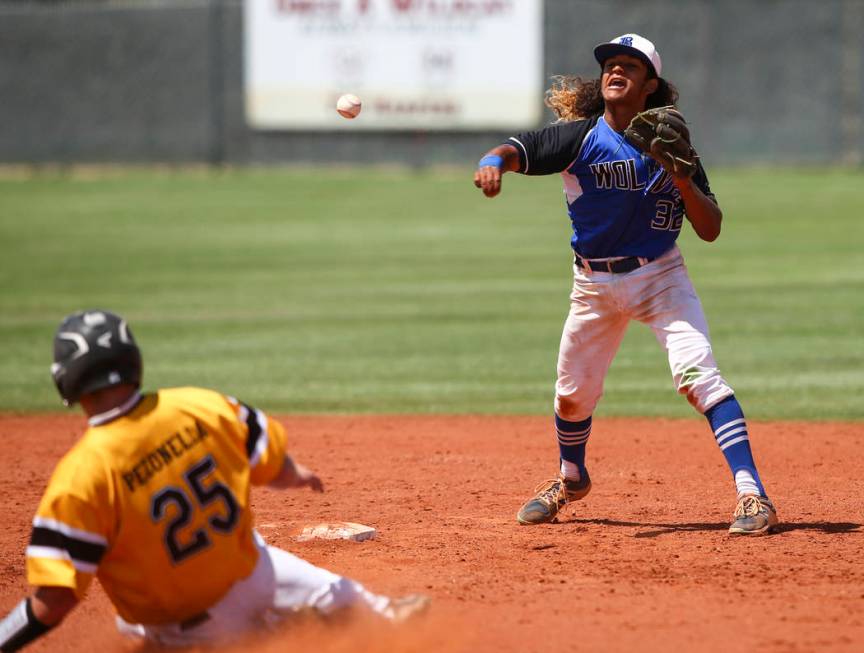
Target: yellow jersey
155	503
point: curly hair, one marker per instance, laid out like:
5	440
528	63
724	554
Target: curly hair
576	98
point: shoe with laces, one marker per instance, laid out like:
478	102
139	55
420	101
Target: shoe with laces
550	496
406	607
754	515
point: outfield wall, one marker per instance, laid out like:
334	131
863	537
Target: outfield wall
770	81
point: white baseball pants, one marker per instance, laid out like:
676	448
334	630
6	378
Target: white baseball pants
280	584
659	294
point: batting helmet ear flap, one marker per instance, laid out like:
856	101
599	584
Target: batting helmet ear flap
94	350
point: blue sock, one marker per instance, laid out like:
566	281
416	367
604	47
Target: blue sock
572	439
730	429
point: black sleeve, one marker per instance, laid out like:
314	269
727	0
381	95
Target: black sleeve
701	181
551	149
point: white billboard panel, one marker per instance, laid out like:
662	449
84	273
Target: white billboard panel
415	64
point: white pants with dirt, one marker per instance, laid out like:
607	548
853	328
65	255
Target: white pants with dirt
659	294
280	584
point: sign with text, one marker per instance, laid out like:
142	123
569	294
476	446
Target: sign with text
415	64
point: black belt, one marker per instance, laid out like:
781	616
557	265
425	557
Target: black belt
621	265
195	620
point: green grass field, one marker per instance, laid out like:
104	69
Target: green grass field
394	291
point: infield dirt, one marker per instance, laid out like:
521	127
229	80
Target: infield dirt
643	563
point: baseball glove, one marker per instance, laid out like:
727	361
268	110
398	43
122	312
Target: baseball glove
662	133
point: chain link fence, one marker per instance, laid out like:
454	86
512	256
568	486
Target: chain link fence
765	81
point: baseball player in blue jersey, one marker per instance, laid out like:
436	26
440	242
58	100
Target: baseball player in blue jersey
627	211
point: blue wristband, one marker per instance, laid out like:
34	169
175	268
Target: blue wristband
491	160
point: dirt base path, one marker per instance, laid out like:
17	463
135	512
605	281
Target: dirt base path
644	563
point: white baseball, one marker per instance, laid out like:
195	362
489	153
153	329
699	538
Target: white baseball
348	106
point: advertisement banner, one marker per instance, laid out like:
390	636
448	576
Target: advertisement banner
414	64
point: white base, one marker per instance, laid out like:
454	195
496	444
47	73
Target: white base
342	530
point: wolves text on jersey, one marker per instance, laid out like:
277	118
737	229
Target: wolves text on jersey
620	175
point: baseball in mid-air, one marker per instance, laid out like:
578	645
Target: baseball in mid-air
348	106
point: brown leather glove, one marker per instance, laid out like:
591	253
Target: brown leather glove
662	133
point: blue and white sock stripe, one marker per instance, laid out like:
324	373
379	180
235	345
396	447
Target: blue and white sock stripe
572	434
582	431
574	437
731	433
572	443
730	430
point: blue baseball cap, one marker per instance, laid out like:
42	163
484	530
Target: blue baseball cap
632	44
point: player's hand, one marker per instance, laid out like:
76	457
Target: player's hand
488	179
307	478
295	475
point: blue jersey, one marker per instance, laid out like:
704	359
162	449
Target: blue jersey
621	202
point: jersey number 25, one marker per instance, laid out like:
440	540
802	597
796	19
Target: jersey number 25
180	548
